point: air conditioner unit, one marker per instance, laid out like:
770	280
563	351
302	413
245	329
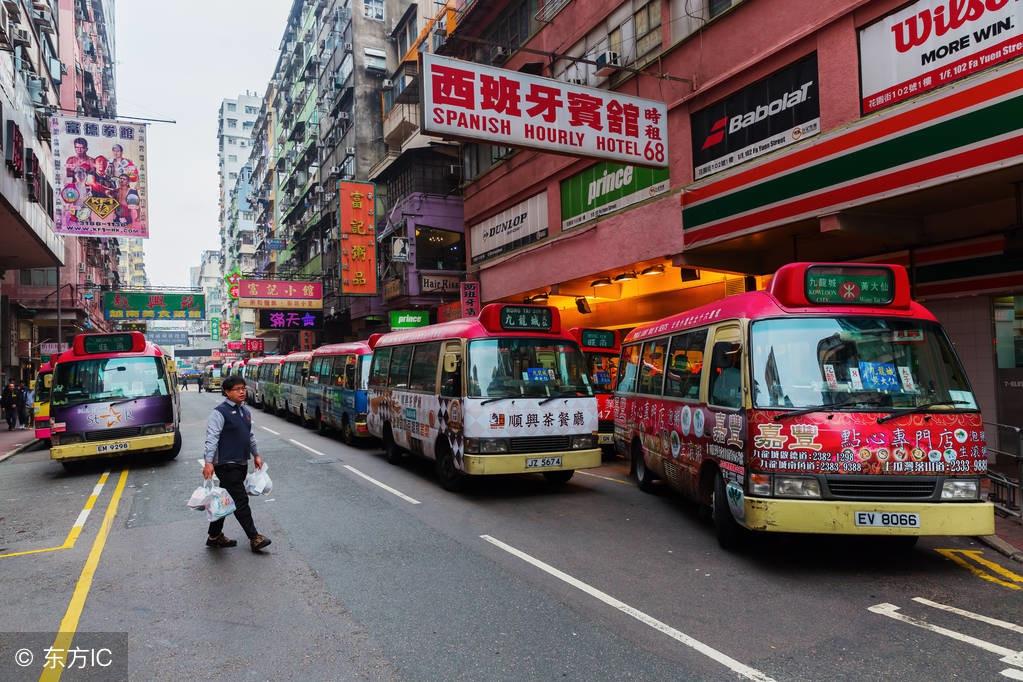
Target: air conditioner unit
335	170
81	267
577	81
318	189
349	151
349	47
499	55
343	116
21	36
387	83
608	62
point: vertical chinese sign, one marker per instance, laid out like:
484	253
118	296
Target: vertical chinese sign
214	329
470	299
358	239
100	170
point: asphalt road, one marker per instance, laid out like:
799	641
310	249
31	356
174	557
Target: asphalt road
511	580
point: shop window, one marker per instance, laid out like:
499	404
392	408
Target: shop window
685	364
629	368
651	371
439	249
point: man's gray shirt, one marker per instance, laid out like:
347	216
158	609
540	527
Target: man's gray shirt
215	425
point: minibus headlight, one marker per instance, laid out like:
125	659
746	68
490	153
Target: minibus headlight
960	489
486	446
157	429
583	442
760	484
793	486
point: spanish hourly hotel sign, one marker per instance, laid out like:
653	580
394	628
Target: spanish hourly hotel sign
930	43
501	107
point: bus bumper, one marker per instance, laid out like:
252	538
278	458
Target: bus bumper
839	518
484	465
113	448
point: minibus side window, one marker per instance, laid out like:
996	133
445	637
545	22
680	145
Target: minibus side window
451	372
629	367
685	364
424	368
337	371
351	362
651	372
397	375
726	374
378	370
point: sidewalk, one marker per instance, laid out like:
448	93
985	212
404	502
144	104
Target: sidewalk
13	442
1008	537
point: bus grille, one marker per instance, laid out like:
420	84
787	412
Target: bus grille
113	434
539	444
883	487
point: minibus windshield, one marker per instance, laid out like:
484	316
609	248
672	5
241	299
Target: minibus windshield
83	381
603	371
526	367
872	363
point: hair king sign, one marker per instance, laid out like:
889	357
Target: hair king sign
472	101
931	43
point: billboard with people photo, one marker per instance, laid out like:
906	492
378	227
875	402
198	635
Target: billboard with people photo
100	169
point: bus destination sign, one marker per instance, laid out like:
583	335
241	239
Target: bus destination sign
598	338
850	285
515	318
108	343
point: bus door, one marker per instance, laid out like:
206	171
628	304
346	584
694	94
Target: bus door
725	424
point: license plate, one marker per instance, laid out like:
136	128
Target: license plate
887	519
112	447
542	462
605	439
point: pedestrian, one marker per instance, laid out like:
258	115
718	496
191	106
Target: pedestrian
23	405
30	404
230	442
9	404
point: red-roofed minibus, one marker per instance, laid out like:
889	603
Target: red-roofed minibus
503	393
831	403
601	348
113	394
41	403
336	391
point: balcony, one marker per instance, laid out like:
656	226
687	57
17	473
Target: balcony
401	122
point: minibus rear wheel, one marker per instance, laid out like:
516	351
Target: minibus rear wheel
391	450
644	477
347	434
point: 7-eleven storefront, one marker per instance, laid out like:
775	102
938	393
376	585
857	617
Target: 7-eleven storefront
934	184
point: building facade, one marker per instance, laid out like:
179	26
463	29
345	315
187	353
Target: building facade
208	277
848	134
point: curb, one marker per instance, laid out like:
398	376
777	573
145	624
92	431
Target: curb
1002	547
19	449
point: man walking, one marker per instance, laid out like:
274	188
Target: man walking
23	405
9	404
229	443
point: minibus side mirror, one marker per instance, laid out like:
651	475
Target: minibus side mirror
48	381
450	362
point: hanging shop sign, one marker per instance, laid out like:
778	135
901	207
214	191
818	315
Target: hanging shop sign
279	293
392	288
215	329
930	43
100	167
291	319
470	299
466	100
400	250
513	228
235	346
438	284
608	187
151	305
133	327
358	239
14	147
254	345
764	116
164	337
405	319
232	280
275	244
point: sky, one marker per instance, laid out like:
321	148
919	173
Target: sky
177	60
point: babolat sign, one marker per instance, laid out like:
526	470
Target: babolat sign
608	187
762	117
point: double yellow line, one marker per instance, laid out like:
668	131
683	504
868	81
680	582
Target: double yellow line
985	569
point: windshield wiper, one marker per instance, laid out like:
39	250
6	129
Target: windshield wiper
493	400
568	394
823	407
919	408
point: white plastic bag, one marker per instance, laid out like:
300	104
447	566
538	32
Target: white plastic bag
198	498
219	504
258	482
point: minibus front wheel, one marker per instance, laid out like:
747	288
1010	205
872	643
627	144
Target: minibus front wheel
730	534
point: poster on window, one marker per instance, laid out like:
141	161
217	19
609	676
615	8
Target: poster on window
100	168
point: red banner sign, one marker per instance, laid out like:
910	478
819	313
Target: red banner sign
234	345
276	293
253	345
470	299
358	239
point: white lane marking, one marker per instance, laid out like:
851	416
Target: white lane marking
82	516
970	614
606	478
386	487
892	611
276	433
1013	674
706	650
303	445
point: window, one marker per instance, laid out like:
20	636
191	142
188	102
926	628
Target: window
376	60
726	374
373	9
647	23
716	7
511	29
615	41
520	367
629	366
351	363
424	368
314	368
439	249
39	277
378	371
685	364
251	110
397	375
232	157
337	371
231	106
85	381
232	123
651	371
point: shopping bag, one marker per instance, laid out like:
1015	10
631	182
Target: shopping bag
219	504
258	482
198	498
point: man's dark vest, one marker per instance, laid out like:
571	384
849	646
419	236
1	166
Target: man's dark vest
235	439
